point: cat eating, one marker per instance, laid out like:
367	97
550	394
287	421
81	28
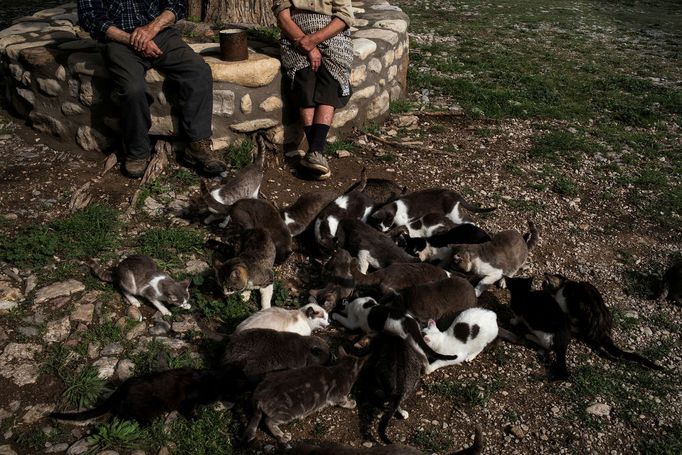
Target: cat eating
251	269
438	247
500	257
354	205
303	212
468	335
303	321
293	394
138	276
340	282
397	276
589	317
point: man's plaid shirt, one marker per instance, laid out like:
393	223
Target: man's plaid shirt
96	16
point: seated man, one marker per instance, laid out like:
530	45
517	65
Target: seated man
138	37
317	54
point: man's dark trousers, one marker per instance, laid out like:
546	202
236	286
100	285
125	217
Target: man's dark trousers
182	67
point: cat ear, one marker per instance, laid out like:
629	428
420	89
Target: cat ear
314	292
310	312
427	339
431	323
457	258
185	283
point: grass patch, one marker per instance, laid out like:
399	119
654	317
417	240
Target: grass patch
668	442
474	394
333	147
562	146
83	388
83	235
168	244
185	177
156	356
230	310
431	440
116	434
641	285
239	155
270	35
625	322
565	186
151	189
400	106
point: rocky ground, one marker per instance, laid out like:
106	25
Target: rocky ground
605	193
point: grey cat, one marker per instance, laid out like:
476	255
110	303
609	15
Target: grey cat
246	184
380	191
353	205
415	205
251	269
260	351
293	394
370	246
138	276
258	214
340	282
303	212
500	257
398	276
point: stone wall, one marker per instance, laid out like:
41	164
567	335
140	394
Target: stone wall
54	76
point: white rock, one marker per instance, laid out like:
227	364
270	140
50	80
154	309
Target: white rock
167	125
385	7
599	409
83	313
388	58
245	104
106	366
28	95
259	70
378	106
342	153
57	330
363	47
57	448
378	33
253	125
187	324
124	369
223	102
69	108
396	25
79	447
7	449
136	331
196	266
37	412
345	115
91	140
358	75
7	305
61	289
88	63
60	74
272	103
392	72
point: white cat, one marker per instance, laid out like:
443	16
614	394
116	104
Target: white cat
302	321
468	335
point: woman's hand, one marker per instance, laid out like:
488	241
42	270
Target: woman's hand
307	43
315	58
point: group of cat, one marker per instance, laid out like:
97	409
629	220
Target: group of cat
418	310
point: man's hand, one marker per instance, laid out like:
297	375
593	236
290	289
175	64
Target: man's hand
315	58
151	50
307	43
141	36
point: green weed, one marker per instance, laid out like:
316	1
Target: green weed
230	310
400	106
83	387
335	146
431	440
239	155
474	394
667	442
270	35
155	356
116	434
168	244
151	189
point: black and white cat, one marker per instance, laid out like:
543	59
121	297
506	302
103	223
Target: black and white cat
138	276
471	332
397	276
303	321
438	247
412	206
590	319
369	246
425	226
299	215
354	205
496	259
541	315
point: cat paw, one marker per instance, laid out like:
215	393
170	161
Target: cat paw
349	404
403	414
166	312
286	437
186	306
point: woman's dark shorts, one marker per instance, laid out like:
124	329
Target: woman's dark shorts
312	88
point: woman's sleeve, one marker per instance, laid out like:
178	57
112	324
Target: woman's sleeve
343	10
280	5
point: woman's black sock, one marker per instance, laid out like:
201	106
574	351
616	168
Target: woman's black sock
319	134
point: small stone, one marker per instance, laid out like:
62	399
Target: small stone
50	87
396	25
136	331
134	313
342	153
246	105
107	452
367	444
358	75
259	70
69	108
388	58
377	33
106	366
83	313
29	331
646	330
79	447
187	324
364	93
57	448
253	125
517	431
7	305
172	343
7	450
28	95
374	65
343	116
378	106
196	266
91	140
112	349
405	121
363	48
61	289
223	102
60	74
599	409
124	369
37	412
160	328
272	103
57	330
93	350
47	124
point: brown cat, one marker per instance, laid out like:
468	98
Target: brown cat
589	317
251	269
501	257
260	351
398	276
258	214
340	282
303	212
289	395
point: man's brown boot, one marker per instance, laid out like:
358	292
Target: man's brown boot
201	155
135	168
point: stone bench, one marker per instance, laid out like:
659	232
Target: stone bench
54	76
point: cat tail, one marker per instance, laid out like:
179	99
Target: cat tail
610	347
411	326
476	448
360	184
259	159
475	208
532	236
100	272
393	405
84	415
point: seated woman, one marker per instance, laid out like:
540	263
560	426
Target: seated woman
317	55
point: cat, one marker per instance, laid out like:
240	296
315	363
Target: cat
397	276
258	214
425	226
340	282
353	205
542	316
396	368
370	246
138	276
380	191
293	394
468	335
259	351
438	247
589	317
672	284
146	397
317	448
303	321
251	269
371	317
303	212
415	205
244	185
500	257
